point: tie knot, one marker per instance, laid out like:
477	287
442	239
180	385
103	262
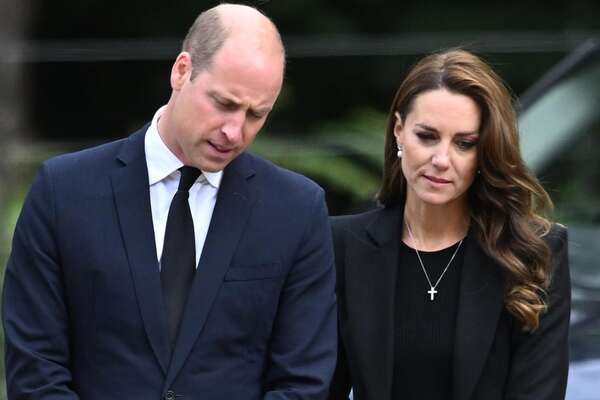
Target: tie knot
188	177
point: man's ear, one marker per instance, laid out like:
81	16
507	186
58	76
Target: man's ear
398	128
181	70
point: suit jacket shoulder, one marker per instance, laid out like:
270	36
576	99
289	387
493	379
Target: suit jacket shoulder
288	183
88	165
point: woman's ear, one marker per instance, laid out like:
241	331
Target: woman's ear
398	128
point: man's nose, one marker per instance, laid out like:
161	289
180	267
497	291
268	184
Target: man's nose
234	126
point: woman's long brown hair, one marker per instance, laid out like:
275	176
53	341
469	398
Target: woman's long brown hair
506	202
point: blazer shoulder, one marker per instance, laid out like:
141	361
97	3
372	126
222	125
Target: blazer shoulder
99	156
367	227
352	222
557	237
87	171
288	184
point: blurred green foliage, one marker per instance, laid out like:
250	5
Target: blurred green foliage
345	156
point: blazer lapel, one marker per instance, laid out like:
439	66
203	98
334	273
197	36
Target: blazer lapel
234	202
132	199
371	265
479	306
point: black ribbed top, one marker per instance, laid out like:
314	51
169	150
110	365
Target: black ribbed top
425	329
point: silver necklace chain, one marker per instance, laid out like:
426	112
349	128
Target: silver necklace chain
432	291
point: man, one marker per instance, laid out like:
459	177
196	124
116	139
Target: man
98	302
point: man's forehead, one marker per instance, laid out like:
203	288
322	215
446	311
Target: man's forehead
258	101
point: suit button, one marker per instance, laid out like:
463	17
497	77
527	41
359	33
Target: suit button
170	395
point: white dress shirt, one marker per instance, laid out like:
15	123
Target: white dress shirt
163	176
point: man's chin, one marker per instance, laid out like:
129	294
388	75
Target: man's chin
213	166
215	161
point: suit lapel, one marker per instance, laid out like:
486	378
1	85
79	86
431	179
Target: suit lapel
371	266
479	306
234	202
132	199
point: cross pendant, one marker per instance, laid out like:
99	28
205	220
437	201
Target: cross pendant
432	293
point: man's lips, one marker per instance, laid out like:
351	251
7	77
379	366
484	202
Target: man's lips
436	180
220	148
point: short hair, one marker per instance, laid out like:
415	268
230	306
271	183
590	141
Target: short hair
207	35
204	38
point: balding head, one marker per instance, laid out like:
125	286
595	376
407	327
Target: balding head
224	84
246	26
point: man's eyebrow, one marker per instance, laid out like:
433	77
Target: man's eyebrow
224	97
261	110
227	98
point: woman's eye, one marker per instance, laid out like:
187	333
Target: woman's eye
466	144
426	136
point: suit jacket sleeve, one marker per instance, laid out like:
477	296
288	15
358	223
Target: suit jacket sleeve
303	341
35	317
540	360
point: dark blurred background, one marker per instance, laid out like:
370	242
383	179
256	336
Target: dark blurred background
77	73
93	70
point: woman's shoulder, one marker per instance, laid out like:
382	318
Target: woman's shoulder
377	221
375	226
557	237
350	221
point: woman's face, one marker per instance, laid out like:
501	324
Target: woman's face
439	147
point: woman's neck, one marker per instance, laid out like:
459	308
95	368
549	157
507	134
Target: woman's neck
434	227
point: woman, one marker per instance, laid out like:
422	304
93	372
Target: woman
457	287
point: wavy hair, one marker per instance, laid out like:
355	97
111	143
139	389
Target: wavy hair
507	203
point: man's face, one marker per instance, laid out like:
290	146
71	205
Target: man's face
217	115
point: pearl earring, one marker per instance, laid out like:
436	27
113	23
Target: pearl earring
399	151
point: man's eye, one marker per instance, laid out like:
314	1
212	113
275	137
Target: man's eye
257	115
224	104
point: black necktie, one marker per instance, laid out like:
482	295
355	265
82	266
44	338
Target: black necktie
178	261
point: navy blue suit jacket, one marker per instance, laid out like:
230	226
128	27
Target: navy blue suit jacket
83	313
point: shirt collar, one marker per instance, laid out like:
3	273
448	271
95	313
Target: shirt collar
162	162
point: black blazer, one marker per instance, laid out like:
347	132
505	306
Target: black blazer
494	358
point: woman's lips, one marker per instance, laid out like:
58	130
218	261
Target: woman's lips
436	180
